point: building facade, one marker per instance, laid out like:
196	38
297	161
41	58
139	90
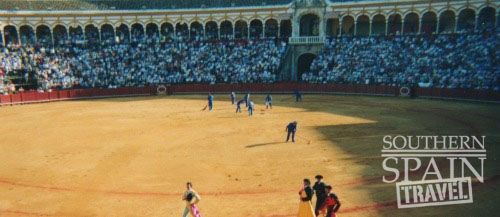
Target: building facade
304	23
298	18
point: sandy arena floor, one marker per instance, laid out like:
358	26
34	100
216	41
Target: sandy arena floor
133	156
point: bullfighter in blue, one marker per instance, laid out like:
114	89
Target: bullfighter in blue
238	105
233	97
291	128
210	101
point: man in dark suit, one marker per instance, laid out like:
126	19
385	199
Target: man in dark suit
319	188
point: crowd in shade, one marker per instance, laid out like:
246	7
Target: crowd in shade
118	61
466	60
443	61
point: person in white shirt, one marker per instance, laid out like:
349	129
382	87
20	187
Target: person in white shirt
192	198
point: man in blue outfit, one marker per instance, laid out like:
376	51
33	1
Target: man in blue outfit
298	96
250	108
238	105
247	97
291	129
269	101
210	101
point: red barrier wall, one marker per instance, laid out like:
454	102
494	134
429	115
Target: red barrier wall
56	95
31	96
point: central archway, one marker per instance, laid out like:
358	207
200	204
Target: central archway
309	25
304	64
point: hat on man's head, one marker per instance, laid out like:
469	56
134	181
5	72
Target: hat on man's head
318	177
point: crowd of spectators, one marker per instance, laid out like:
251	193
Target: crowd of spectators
117	61
443	61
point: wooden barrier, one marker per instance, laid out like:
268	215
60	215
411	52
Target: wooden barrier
56	95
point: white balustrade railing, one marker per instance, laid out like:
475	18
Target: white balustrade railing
307	40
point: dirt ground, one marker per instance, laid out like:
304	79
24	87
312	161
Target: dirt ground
133	156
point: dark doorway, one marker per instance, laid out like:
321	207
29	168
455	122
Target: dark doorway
309	25
304	64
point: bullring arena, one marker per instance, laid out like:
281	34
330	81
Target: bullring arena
131	156
105	107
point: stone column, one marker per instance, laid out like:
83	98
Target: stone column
129	33
263	30
18	35
52	37
437	26
402	26
386	26
420	26
3	37
340	28
370	28
322	25
355	28
279	30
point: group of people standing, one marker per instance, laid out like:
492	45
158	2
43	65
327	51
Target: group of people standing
250	105
291	128
326	201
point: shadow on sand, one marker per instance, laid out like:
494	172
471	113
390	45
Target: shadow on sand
392	116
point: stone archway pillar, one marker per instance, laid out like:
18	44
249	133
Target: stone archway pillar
387	26
355	27
18	29
420	26
3	36
218	31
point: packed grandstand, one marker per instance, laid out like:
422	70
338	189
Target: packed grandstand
445	47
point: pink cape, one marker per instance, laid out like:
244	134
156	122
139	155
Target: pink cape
195	211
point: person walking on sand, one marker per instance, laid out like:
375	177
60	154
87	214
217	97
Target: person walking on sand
305	196
191	198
